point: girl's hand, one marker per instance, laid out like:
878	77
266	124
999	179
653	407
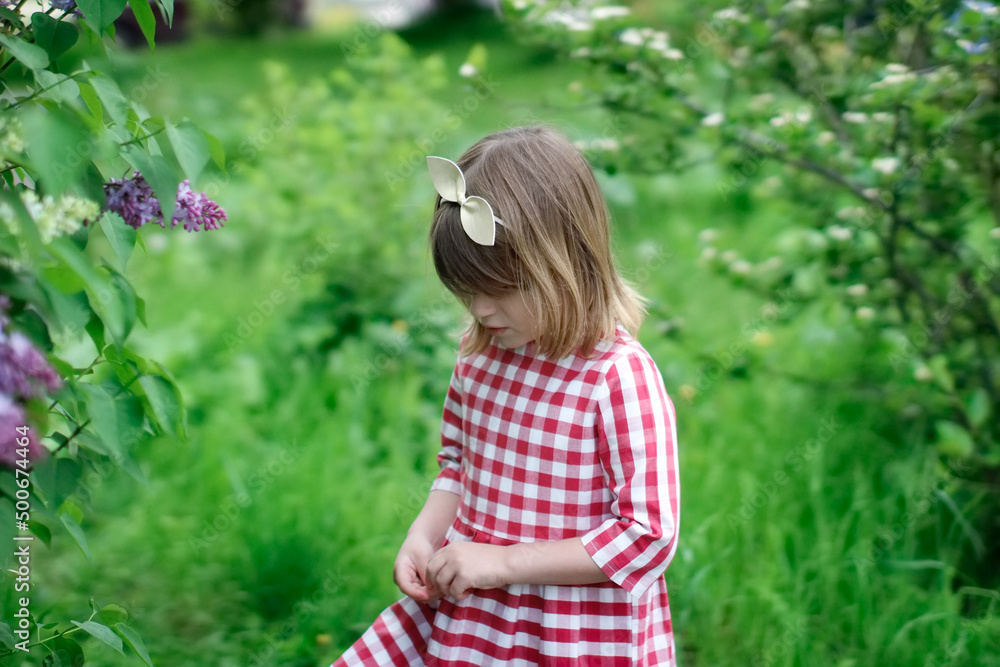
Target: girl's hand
462	566
408	571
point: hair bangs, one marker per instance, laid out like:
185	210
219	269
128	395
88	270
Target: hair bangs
464	266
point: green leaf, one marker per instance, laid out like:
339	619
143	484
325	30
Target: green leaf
126	296
56	479
6	636
58	87
67	313
216	150
953	439
30	55
41	531
120	235
55	143
190	147
168	9
99	14
102	293
977	407
939	369
111	614
73	527
477	56
144	17
111	97
91	185
92	100
95	329
66	653
102	632
160	174
166	404
56	37
12	17
103	415
134	642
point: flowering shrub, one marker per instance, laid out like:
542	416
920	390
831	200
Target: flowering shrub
875	125
133	199
65	137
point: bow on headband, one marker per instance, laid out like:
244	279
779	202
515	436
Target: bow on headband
477	215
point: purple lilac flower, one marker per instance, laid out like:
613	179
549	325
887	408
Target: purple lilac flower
133	199
24	374
24	371
23	368
12	417
194	209
66	6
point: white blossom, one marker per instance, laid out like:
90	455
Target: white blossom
731	14
855	117
850	213
825	138
893	79
740	267
799	117
574	20
882	117
468	70
713	119
865	313
838	233
632	37
707	235
729	256
857	290
922	373
995	233
602	13
886	165
52	217
896	68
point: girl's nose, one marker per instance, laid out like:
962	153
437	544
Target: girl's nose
481	306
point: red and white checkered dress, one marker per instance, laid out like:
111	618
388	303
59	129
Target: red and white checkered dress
542	449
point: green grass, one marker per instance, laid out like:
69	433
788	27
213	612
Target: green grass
269	537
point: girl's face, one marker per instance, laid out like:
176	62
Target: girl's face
506	318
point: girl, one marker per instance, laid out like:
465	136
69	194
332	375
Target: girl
546	534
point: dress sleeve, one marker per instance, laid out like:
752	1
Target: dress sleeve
450	456
637	441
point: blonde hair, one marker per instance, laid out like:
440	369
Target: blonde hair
553	246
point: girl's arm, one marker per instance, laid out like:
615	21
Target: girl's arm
424	538
435	518
463	566
557	563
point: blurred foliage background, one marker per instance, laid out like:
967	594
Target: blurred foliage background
839	499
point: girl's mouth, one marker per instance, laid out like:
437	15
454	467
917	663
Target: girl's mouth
498	331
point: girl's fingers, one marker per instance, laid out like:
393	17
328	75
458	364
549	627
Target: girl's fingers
408	580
